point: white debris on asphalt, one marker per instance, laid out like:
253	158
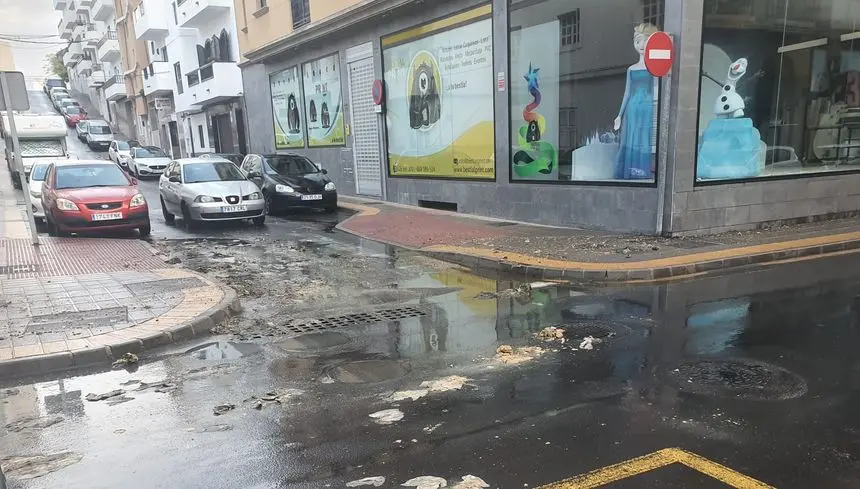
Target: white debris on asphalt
426	482
471	482
431	429
387	416
367	481
450	383
412	395
541	285
588	343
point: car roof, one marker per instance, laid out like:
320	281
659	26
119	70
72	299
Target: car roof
72	162
98	122
201	159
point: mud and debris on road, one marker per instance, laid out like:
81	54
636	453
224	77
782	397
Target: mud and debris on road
25	467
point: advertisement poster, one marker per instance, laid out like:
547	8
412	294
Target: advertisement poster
440	99
322	101
286	102
534	102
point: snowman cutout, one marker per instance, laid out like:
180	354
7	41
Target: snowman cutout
729	104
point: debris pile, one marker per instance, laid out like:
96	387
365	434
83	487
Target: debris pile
274	397
125	360
223	409
509	356
387	416
551	333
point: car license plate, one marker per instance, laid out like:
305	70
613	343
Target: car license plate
234	208
312	197
107	216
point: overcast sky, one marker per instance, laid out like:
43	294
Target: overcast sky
36	17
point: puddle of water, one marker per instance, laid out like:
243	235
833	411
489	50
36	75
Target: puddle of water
369	371
222	350
313	341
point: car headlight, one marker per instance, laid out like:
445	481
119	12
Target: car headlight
255	196
204	199
330	186
137	201
66	205
284	189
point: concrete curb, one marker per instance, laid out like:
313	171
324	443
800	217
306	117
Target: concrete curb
661	269
228	306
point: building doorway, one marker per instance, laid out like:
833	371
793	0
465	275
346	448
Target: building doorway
240	131
365	122
175	148
222	130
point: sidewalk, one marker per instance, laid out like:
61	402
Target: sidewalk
554	253
74	302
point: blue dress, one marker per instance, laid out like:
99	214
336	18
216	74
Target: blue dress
634	160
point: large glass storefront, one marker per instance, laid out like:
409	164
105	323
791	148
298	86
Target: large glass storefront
780	89
582	105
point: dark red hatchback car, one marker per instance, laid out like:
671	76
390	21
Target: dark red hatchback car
90	195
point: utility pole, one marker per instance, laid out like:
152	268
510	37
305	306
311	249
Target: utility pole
6	90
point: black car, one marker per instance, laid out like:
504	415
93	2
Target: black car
291	180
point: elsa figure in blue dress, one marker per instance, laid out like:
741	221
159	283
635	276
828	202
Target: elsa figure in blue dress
636	117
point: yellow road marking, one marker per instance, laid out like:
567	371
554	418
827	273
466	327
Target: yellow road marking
656	460
363	210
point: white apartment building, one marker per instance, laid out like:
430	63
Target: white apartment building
193	84
93	55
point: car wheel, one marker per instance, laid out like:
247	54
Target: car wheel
186	217
168	217
145	231
52	230
259	221
268	200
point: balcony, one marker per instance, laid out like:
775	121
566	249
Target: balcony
197	13
85	65
91	37
102	11
97	78
114	88
79	30
108	47
65	33
158	79
210	84
60	4
150	20
73	54
81	6
67	23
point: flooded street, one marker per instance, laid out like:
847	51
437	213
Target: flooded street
353	362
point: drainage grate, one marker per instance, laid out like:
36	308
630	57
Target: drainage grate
381	316
19	269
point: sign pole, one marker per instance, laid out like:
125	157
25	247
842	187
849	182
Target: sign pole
16	156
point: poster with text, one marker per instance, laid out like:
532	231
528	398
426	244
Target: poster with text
440	100
286	102
322	101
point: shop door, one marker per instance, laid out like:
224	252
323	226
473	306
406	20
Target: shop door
365	129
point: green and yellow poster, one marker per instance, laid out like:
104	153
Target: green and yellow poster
286	102
439	98
323	111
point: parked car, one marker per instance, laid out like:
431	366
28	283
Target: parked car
148	161
87	195
73	115
52	83
291	180
81	130
99	135
66	102
120	153
37	178
55	94
209	189
236	158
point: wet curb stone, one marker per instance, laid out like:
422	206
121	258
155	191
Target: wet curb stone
228	306
611	274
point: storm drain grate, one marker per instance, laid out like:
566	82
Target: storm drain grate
380	316
18	269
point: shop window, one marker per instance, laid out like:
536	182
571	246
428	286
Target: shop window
587	114
780	89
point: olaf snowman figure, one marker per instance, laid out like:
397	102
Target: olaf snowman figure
729	104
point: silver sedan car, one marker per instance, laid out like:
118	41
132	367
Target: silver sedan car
209	189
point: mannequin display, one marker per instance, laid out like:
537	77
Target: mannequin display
731	147
636	117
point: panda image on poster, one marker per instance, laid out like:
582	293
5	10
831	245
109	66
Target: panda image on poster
425	106
324	116
313	110
293	115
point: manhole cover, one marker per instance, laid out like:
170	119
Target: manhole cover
368	371
738	378
379	316
313	341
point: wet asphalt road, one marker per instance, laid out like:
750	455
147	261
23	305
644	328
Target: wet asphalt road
756	371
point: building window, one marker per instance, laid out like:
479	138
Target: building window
652	12
200	133
264	3
778	105
177	73
569	124
175	15
301	13
570	34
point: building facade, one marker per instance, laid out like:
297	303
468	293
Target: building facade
7	58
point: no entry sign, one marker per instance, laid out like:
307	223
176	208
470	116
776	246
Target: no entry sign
659	54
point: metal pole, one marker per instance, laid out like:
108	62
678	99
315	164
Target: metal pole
16	155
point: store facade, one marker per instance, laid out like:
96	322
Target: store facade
542	110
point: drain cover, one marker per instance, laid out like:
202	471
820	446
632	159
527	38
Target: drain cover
380	316
368	371
738	378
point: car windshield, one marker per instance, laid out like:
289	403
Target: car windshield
215	171
73	110
38	172
54	83
149	152
83	176
122	146
289	165
96	129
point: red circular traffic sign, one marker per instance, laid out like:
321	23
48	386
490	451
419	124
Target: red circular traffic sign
377	92
659	54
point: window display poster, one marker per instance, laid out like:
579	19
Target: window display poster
286	100
323	101
535	102
440	101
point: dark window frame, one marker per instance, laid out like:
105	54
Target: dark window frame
301	13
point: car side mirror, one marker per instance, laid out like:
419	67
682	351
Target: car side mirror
174	179
324	171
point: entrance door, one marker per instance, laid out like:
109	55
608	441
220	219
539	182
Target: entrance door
365	126
174	138
223	134
240	130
